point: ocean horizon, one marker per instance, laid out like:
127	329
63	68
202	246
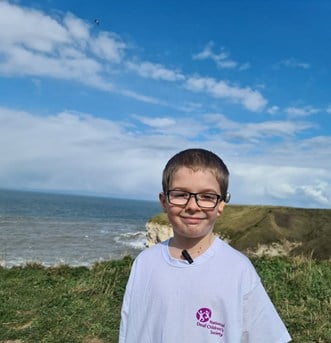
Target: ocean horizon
77	230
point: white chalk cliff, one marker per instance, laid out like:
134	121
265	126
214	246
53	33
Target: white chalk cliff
156	233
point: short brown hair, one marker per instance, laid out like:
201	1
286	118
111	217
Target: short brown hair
197	159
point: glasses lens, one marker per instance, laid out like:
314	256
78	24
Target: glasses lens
207	200
178	197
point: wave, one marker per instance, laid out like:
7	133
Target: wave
136	240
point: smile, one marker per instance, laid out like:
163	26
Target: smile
192	220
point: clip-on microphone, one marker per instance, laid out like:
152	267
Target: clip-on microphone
187	256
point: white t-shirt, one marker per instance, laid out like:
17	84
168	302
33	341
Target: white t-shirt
217	298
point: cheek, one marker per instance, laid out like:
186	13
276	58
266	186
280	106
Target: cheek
172	213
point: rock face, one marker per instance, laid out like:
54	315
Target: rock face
156	233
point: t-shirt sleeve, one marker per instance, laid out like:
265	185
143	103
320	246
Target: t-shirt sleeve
261	322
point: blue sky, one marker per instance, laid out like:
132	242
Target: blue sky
98	107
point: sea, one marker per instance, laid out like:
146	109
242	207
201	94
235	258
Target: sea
55	229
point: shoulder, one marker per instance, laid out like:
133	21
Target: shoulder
238	265
231	254
151	254
146	263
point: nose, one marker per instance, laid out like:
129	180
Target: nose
192	202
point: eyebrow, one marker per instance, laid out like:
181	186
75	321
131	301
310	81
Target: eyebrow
184	189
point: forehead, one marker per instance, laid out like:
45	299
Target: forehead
195	180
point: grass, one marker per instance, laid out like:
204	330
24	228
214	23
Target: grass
68	305
301	291
63	304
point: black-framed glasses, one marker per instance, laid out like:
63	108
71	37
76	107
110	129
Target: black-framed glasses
203	200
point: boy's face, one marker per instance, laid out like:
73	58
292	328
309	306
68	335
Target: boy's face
192	221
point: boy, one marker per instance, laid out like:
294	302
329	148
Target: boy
194	288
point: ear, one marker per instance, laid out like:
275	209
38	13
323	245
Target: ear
163	202
220	208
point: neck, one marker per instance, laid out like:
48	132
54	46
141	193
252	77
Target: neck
195	247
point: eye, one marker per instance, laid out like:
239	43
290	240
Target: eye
207	196
179	194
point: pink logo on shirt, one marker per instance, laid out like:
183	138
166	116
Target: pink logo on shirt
203	314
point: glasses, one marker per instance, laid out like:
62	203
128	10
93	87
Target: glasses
203	200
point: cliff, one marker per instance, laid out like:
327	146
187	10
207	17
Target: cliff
264	230
156	233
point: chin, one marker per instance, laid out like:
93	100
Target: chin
193	235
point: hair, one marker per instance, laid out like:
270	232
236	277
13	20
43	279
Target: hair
197	159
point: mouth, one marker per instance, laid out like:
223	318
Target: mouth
192	220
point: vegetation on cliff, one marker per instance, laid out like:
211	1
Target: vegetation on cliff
295	231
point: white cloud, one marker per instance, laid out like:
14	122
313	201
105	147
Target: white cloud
24	62
313	151
274	128
301	111
157	122
65	47
254	132
221	121
273	109
184	127
245	66
287	185
269	160
249	98
140	97
108	46
293	63
33	43
222	59
77	29
75	152
318	192
155	71
79	153
30	29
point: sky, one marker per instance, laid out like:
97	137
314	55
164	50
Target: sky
96	96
